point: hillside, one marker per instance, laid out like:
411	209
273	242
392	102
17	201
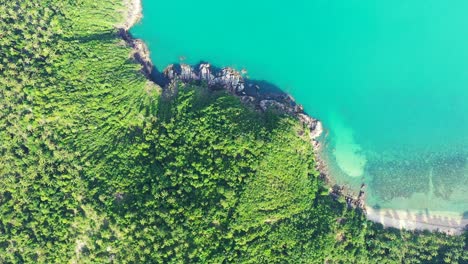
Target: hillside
100	165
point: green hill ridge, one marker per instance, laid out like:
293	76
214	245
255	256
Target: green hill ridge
99	165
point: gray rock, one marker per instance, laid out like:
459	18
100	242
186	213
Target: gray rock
187	73
226	78
170	72
266	104
231	80
205	73
247	99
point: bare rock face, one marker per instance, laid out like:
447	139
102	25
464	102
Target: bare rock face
187	74
231	80
205	73
318	130
226	78
266	104
247	99
310	122
170	72
314	125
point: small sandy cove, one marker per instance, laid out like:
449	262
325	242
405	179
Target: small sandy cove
435	221
132	13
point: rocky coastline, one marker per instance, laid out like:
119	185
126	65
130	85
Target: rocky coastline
133	13
250	92
140	52
233	81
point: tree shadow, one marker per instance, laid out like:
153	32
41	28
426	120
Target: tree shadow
104	36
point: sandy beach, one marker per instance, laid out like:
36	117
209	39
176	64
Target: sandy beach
436	221
132	13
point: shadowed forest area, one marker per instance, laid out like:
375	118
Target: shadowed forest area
99	165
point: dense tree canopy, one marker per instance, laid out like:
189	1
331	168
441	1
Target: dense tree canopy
99	165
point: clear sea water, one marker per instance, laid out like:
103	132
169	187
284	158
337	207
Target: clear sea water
388	78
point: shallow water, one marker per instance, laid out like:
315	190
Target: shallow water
389	80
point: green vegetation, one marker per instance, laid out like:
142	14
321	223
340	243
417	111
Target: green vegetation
98	165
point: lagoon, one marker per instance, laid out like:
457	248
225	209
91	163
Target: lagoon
388	79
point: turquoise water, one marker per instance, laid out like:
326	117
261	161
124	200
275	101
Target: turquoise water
388	78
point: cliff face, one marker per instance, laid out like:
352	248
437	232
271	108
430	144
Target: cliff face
231	80
226	78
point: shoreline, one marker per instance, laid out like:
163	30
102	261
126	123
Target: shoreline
133	13
411	220
247	90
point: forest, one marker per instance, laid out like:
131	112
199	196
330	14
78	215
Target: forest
100	165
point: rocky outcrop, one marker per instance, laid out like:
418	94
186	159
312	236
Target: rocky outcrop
133	14
314	125
233	81
226	78
140	51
